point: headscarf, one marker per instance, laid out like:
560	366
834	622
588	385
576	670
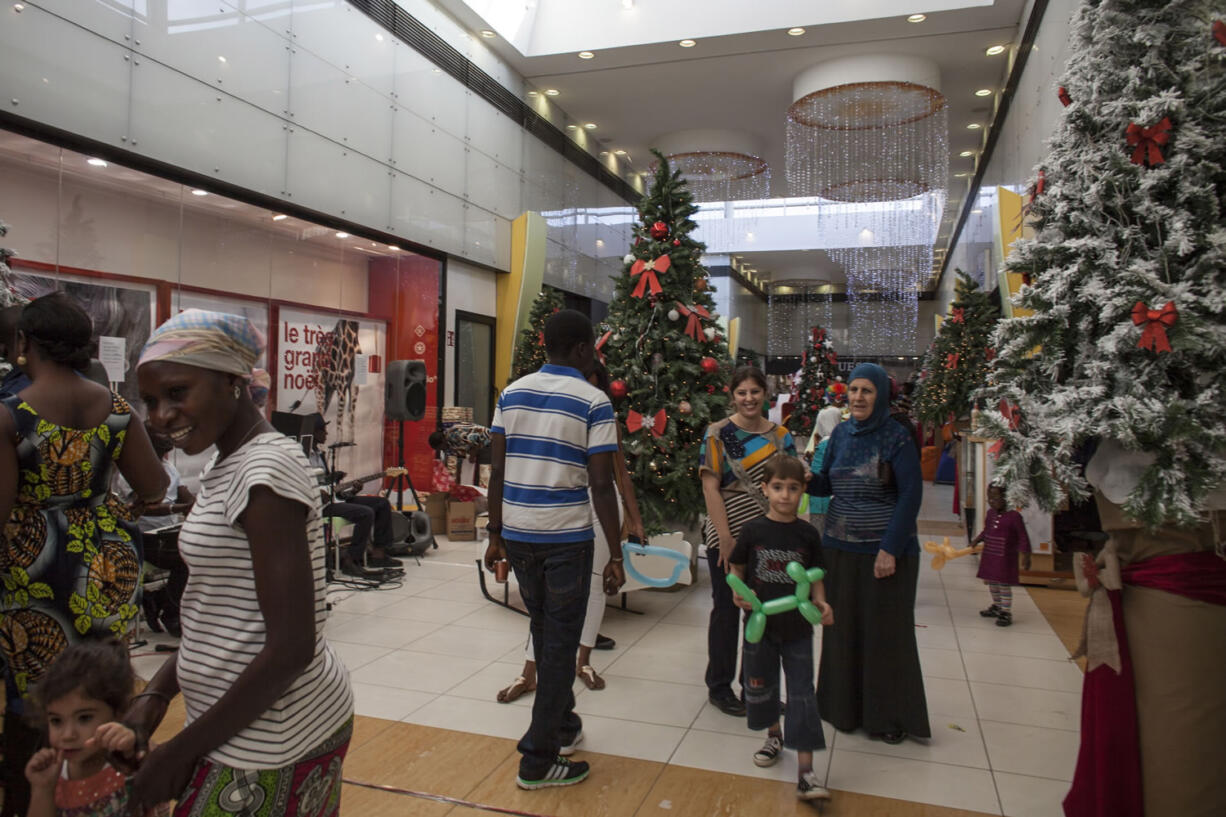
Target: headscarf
208	340
260	383
881	405
827	419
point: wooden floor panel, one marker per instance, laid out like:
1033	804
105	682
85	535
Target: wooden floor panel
615	788
1065	611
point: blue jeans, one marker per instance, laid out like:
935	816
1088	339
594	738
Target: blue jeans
554	580
802	726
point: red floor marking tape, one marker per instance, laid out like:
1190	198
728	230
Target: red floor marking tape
442	798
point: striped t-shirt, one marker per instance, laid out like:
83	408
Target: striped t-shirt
553	421
223	628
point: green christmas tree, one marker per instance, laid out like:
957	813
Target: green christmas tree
820	368
666	355
530	348
957	362
1127	343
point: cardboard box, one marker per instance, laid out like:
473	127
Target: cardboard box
461	521
436	509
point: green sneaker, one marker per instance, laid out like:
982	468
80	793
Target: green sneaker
563	772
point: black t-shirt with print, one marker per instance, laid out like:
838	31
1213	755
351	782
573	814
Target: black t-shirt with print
765	547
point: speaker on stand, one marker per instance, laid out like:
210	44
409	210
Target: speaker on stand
405	399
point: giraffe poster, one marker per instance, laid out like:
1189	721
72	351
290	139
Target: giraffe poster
316	370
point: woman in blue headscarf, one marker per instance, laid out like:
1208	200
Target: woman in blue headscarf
870	672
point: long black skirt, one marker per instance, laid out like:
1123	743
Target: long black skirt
870	673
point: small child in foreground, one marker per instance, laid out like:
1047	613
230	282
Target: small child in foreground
760	559
1003	537
81	697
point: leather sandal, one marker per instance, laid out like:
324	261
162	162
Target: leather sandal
589	677
517	688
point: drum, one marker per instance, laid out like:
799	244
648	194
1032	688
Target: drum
162	547
413	529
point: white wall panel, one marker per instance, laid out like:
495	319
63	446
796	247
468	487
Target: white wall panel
325	99
346	38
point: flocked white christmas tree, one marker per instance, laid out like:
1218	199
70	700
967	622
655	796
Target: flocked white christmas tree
1127	271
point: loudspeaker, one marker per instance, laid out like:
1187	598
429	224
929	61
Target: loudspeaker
405	395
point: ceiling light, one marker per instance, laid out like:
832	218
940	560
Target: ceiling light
961	175
393	247
974	126
20	7
976	212
796	32
96	162
342	235
487	34
199	192
221	59
619	153
687	43
628	5
572	127
280	217
917	18
379	37
600	242
552	92
589	125
964	154
586	55
984	92
994	50
604	153
436	70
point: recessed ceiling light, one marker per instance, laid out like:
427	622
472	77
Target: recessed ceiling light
19	7
342	235
984	92
976	212
604	153
96	162
221	59
961	175
534	93
393	247
974	126
379	37
917	18
487	34
796	32
687	43
586	55
589	125
600	242
994	50
619	152
572	127
966	153
280	217
436	70
199	192
552	92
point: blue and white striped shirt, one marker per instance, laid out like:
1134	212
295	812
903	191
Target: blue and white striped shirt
553	421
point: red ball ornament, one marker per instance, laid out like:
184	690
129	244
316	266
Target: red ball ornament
710	390
659	231
676	242
700	285
710	365
684	407
618	388
725	389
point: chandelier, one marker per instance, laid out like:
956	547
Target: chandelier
869	136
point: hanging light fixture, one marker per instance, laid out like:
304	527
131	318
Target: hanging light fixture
869	135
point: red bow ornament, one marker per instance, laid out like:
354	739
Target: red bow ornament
648	270
692	314
1155	321
1011	413
1219	32
989	354
1147	142
634	422
1065	99
540	338
951	361
599	344
959	315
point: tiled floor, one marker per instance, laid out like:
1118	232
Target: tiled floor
1004	703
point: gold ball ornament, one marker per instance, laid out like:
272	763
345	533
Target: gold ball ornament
684	407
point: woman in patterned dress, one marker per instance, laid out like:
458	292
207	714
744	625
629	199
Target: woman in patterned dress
69	571
734	454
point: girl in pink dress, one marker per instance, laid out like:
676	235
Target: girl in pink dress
1003	537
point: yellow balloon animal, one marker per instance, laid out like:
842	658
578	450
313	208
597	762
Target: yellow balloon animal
943	552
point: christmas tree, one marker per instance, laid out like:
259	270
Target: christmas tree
1127	343
530	348
666	355
957	362
819	370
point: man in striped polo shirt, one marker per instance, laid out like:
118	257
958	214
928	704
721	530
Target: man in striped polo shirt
553	438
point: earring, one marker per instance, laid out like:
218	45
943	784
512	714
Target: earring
21	360
237	392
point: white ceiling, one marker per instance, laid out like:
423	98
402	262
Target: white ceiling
636	94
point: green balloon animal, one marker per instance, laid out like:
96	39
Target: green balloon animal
755	628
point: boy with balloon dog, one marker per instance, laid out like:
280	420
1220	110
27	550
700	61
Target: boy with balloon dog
760	565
